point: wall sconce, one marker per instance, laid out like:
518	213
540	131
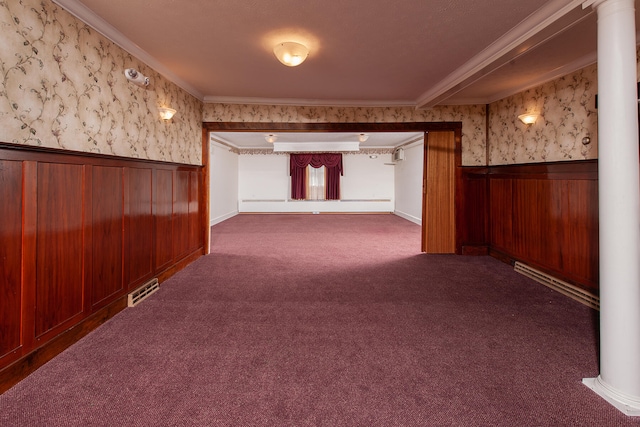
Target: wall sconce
167	113
291	54
271	138
528	118
136	77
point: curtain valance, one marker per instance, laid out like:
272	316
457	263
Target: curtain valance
299	162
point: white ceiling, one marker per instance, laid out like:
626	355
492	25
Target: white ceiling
417	53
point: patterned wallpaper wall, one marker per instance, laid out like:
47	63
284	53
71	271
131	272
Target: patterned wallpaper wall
567	115
62	85
471	116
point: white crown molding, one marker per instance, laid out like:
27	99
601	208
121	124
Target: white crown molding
86	15
566	69
222	143
556	73
412	143
305	102
534	24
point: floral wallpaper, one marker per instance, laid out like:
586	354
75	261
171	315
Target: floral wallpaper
471	116
567	115
62	85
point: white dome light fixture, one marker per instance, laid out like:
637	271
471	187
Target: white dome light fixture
166	113
271	138
528	118
291	54
363	137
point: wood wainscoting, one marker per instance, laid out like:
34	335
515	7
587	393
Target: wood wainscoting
544	215
78	233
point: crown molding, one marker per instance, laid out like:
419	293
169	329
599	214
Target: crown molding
86	15
305	102
554	74
498	52
566	69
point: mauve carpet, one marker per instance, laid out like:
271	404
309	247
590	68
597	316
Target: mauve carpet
328	320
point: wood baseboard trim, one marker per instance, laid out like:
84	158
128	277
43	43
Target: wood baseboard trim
165	274
319	213
29	363
475	250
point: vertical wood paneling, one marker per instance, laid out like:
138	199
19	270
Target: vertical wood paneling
181	213
553	225
108	234
29	253
520	217
547	216
582	232
501	213
476	201
440	193
75	231
163	209
59	253
140	225
195	228
10	255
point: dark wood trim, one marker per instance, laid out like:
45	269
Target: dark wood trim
29	236
205	193
472	210
20	369
76	213
170	271
423	202
24	366
456	127
575	169
330	127
475	250
542	214
9	151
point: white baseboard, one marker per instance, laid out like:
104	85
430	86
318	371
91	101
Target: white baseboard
214	221
408	217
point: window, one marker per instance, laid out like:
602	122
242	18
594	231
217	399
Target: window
316	183
325	182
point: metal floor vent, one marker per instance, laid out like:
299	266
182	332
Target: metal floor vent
565	288
143	292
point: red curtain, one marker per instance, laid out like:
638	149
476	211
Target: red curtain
299	162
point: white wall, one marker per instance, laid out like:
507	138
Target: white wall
223	184
264	185
408	183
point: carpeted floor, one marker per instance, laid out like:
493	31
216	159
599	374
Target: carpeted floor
328	320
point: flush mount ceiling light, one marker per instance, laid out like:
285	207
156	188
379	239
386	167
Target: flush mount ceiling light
363	137
528	118
291	54
167	113
271	138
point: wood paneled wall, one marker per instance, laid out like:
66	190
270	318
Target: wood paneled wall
79	232
545	215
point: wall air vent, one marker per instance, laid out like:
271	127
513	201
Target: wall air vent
398	155
143	292
565	288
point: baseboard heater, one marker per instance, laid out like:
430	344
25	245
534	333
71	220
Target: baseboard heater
143	292
558	285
